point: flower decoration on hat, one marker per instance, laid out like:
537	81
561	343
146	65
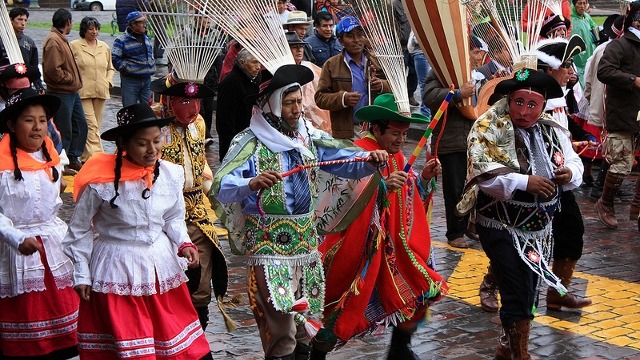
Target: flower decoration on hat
522	75
20	68
191	89
124	117
13	99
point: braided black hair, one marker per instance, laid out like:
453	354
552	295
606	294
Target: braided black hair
17	174
116	180
145	193
54	170
156	173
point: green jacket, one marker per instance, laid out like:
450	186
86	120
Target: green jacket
587	29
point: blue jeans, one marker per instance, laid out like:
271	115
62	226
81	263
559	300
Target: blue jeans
135	90
422	69
71	124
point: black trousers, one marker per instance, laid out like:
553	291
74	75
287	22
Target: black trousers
454	174
516	281
568	228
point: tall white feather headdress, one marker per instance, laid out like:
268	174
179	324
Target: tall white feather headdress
255	24
191	40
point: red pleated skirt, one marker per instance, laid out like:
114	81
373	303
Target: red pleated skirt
39	322
160	326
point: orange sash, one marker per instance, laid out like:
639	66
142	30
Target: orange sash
26	162
100	168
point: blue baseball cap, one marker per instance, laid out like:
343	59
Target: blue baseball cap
133	16
347	24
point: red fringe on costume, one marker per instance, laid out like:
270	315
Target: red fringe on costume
39	322
160	326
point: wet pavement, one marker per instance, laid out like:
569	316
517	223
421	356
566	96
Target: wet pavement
608	273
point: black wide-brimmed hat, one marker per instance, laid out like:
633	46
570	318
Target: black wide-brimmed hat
170	85
612	27
554	52
552	22
285	75
23	98
530	79
132	118
293	38
19	70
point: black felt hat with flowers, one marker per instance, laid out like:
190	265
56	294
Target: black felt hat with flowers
19	100
19	70
171	85
530	79
132	118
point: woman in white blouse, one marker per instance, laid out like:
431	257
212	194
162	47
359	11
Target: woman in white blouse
130	276
38	307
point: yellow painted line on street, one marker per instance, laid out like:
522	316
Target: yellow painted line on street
613	318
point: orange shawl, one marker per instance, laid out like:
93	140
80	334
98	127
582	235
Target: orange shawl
26	162
100	168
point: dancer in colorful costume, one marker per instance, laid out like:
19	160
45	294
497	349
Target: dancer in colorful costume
521	160
184	145
380	270
275	215
38	307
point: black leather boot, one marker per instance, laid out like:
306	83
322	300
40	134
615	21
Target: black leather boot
400	346
203	316
302	351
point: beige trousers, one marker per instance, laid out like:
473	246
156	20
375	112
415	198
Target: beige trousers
278	331
93	111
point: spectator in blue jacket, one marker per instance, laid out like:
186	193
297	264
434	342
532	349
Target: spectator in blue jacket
324	43
132	56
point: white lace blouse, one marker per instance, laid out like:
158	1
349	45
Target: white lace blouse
29	208
135	242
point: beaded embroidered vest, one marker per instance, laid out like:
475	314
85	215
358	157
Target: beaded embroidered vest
279	241
193	137
277	233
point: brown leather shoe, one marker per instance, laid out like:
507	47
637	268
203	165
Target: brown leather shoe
67	171
489	292
503	352
563	268
606	214
76	165
459	243
471	232
604	205
569	301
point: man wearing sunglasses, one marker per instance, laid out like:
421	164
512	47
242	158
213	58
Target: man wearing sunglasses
555	57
